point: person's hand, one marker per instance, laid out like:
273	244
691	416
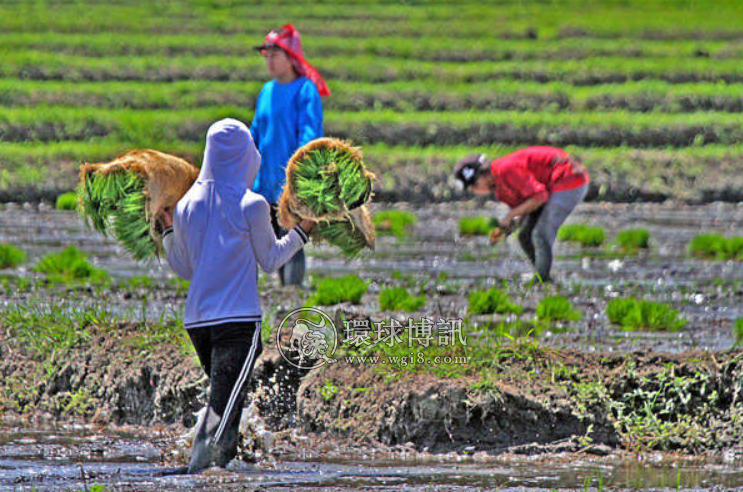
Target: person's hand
506	222
306	225
165	217
496	235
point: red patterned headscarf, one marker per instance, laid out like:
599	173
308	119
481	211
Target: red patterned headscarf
287	38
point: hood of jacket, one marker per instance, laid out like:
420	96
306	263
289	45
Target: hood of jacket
230	157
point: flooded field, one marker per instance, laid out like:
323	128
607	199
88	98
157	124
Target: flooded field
433	259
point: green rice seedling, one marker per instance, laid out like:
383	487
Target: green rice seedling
585	235
67	201
10	256
556	308
394	222
116	201
635	314
716	247
631	240
399	299
69	266
334	290
706	245
492	301
342	233
738	331
327	181
475	226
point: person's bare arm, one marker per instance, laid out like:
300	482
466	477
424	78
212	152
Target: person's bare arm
525	208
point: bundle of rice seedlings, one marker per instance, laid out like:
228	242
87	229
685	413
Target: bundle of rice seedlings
125	196
328	182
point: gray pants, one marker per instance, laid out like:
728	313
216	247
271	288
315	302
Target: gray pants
538	232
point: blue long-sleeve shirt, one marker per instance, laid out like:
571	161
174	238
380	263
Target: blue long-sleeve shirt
287	116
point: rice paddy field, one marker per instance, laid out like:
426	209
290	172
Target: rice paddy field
625	374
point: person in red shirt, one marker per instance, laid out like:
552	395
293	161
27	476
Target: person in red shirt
541	185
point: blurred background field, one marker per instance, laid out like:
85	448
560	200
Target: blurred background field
648	93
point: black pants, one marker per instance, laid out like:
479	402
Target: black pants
227	353
292	272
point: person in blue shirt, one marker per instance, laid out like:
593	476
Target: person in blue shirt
288	114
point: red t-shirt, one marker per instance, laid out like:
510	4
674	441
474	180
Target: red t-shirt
535	171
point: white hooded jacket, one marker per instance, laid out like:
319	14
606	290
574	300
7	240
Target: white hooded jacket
222	231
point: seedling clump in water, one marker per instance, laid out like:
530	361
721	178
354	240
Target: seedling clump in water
717	247
635	314
585	235
476	226
339	289
67	201
394	222
631	240
556	308
68	266
399	299
10	256
492	301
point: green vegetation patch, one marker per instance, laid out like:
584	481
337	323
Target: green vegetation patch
10	256
399	299
334	290
556	308
394	222
585	235
116	202
69	266
67	201
637	314
492	301
476	226
632	240
717	247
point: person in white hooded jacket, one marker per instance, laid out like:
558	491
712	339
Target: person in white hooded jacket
218	234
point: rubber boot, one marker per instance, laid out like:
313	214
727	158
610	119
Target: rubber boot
216	439
292	273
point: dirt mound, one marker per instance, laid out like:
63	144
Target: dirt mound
687	402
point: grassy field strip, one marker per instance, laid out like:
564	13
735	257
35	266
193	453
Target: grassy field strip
144	126
33	163
606	18
415	95
436	48
30	64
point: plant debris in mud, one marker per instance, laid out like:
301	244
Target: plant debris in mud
334	290
10	256
399	299
717	247
639	314
70	266
394	222
583	234
492	301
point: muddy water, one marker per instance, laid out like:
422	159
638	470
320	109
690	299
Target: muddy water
708	294
76	458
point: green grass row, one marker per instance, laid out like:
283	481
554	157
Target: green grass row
401	96
54	165
143	127
41	65
465	19
439	47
